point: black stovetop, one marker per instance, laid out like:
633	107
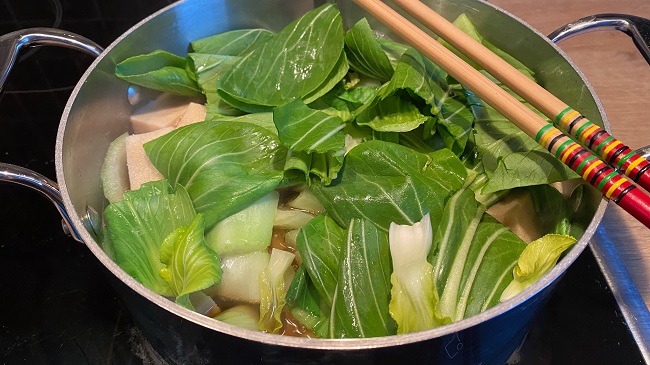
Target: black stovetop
57	307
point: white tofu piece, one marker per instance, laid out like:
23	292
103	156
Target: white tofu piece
194	113
141	170
165	111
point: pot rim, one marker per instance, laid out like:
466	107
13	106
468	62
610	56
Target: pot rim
302	342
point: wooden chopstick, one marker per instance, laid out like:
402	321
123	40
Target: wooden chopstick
610	150
613	185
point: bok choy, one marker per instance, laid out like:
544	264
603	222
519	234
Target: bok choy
413	294
350	153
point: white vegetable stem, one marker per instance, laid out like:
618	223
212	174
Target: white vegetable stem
410	244
413	295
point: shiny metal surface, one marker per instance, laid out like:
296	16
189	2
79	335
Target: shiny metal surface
637	28
98	112
12	43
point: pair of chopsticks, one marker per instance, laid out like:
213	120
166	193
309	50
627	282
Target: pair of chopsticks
608	181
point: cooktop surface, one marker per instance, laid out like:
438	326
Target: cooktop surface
57	306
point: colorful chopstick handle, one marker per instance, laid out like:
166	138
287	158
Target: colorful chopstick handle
610	183
611	150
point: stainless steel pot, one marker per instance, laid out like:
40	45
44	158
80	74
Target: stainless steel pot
98	111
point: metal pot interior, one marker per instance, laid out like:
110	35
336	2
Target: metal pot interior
98	111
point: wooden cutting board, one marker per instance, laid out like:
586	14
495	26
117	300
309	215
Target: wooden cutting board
621	79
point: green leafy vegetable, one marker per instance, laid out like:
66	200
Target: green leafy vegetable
384	182
294	63
158	70
551	209
243	315
305	304
536	260
264	120
509	157
320	243
343	102
274	282
392	114
365	54
190	264
418	76
207	69
223	166
307	130
473	257
363	289
314	139
232	43
138	225
233	234
455	122
464	23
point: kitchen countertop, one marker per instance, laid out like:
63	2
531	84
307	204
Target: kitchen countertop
53	314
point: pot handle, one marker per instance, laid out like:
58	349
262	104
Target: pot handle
22	176
636	27
10	46
11	43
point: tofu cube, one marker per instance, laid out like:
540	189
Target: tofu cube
165	111
140	168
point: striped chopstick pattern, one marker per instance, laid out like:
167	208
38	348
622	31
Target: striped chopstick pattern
610	183
606	146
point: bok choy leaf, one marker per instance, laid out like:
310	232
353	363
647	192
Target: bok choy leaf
232	43
536	260
363	290
138	225
365	54
298	62
509	157
315	139
158	70
307	130
190	263
223	166
274	282
306	305
384	182
473	257
320	243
